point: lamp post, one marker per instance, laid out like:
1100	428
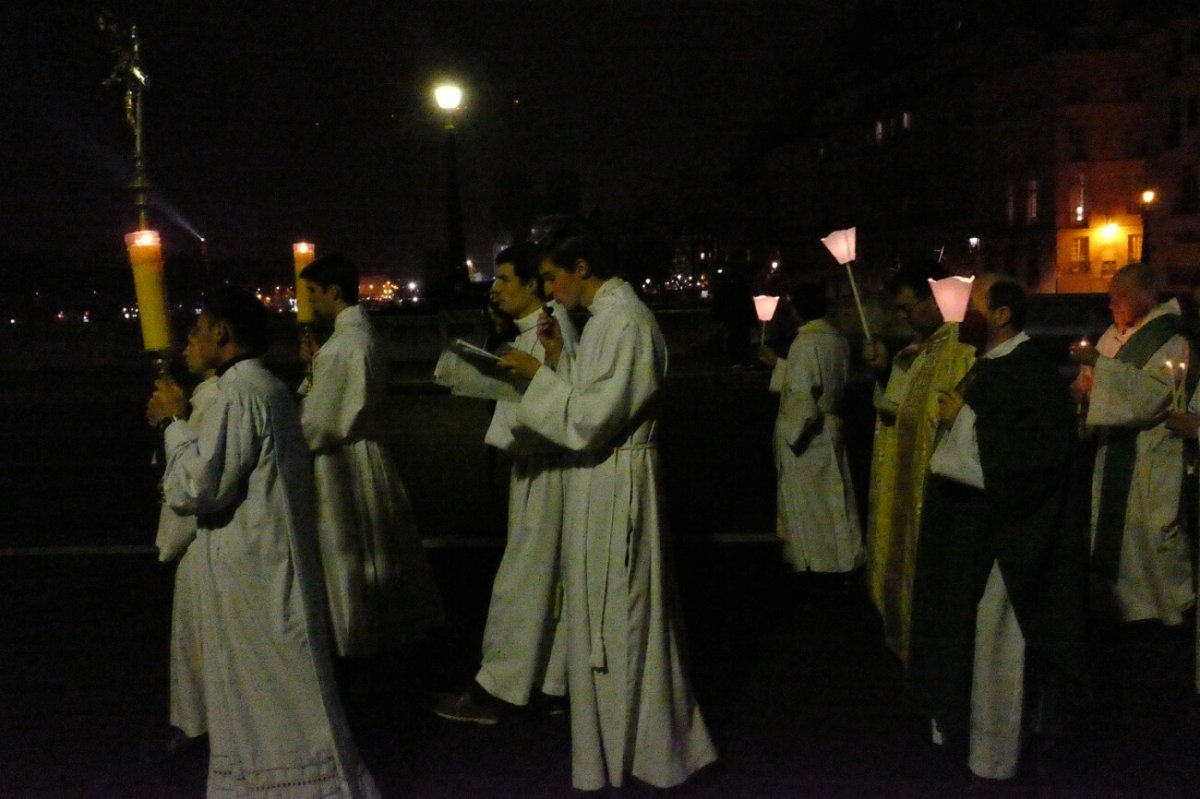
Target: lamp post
1148	198
448	97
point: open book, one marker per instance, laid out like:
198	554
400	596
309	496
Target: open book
474	354
470	371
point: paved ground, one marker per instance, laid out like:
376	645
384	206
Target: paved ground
800	695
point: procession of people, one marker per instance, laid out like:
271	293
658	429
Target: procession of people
982	551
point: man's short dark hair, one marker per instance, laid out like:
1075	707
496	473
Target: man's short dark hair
570	242
334	270
1008	294
916	275
248	319
809	300
523	257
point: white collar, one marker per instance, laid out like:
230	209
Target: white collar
1007	346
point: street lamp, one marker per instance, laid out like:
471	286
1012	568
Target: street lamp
1148	198
448	97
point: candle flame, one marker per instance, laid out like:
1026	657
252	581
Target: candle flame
145	238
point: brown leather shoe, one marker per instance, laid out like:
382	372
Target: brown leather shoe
472	705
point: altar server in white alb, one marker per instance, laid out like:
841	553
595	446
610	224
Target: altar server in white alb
817	518
1141	556
381	590
176	534
632	708
522	645
276	725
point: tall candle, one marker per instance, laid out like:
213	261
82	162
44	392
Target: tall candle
302	255
145	255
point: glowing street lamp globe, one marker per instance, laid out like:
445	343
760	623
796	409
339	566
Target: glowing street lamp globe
448	96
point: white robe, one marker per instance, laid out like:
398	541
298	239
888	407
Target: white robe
187	655
817	517
523	642
632	708
377	576
1154	579
276	726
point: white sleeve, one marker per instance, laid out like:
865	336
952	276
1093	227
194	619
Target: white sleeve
206	465
333	405
1124	395
957	454
606	393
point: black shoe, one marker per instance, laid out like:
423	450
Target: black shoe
553	705
472	705
161	748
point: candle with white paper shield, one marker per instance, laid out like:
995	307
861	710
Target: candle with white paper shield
953	295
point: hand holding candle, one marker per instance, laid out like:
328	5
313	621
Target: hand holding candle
1178	373
1183	424
1083	353
168	400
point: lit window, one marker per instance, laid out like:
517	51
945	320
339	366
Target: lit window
906	120
1031	201
1079	253
879	131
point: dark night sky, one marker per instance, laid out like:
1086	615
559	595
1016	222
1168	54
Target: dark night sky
270	121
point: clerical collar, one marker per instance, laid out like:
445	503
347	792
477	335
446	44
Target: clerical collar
528	321
232	362
1007	346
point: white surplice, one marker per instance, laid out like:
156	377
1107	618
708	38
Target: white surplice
632	707
1154	579
187	655
381	589
276	725
817	517
523	642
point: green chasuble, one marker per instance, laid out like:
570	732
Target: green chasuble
1025	428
